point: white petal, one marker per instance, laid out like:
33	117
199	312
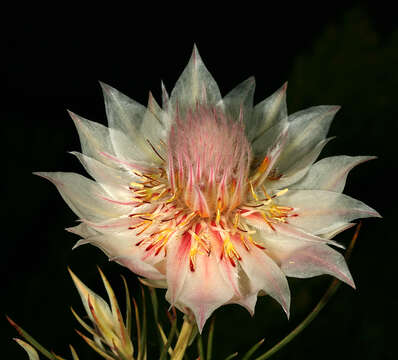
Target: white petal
337	230
84	196
248	302
238	103
274	136
322	211
205	289
316	260
82	230
114	182
264	274
95	139
307	128
195	85
132	152
123	113
126	119
267	113
280	229
330	173
121	247
296	170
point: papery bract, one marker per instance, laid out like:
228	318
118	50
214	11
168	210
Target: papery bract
210	197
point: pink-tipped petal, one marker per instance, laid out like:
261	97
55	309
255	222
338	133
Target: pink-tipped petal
330	173
322	211
264	274
316	260
205	289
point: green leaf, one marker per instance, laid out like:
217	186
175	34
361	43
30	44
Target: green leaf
94	346
128	307
82	323
252	350
142	339
73	351
31	340
200	348
210	340
169	340
231	356
33	355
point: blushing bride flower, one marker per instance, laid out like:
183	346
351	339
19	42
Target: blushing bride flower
211	197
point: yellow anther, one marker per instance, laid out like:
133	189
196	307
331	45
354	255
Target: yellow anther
157	197
265	192
172	197
137	185
282	192
218	217
188	218
252	191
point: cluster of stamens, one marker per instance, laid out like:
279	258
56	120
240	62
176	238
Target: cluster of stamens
203	193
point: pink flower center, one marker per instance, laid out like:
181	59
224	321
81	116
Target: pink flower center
208	162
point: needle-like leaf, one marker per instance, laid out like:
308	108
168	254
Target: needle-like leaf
167	345
31	340
252	350
128	307
210	340
94	346
74	353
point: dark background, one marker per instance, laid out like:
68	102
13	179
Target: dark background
334	54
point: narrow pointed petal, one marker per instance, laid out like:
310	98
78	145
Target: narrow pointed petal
205	289
113	181
297	170
33	355
337	230
267	114
248	302
273	137
322	211
316	260
330	173
83	196
83	230
264	274
122	248
132	151
126	118
238	103
94	139
123	113
307	128
195	85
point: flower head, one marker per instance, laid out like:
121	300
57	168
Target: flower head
210	197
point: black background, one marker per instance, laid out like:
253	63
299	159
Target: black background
52	59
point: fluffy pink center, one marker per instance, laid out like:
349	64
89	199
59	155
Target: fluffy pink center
208	162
